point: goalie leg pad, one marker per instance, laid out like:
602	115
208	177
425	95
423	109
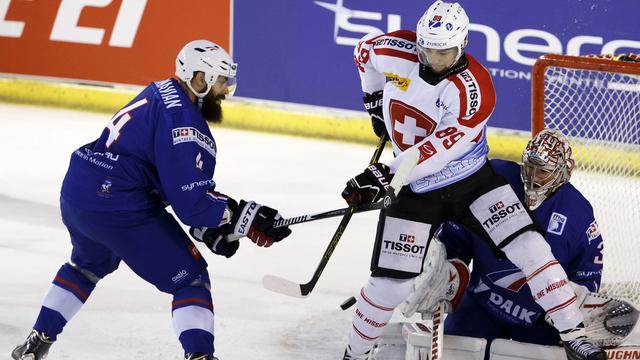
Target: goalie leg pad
441	280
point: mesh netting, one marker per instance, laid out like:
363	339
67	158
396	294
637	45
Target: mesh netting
600	112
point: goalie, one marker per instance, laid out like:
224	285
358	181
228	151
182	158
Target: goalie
497	302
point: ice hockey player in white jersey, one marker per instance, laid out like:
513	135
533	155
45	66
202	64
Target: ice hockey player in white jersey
430	95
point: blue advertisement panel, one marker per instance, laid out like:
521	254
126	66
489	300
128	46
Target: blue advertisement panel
301	51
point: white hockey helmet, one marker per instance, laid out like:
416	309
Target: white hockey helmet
442	26
209	58
546	165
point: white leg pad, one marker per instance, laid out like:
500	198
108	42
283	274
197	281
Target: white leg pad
415	340
502	349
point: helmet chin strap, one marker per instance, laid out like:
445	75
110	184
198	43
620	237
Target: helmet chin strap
201	95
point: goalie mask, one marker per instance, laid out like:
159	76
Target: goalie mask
443	26
209	58
546	165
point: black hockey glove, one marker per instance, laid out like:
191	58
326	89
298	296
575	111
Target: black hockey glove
369	186
256	222
215	239
373	104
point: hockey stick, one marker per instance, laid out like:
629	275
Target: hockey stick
437	333
319	216
287	287
284	286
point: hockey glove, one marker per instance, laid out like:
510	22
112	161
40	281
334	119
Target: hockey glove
216	239
369	186
373	104
256	222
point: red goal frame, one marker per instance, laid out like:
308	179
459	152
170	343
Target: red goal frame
571	62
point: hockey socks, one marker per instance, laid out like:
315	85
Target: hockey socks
193	318
66	295
374	309
546	278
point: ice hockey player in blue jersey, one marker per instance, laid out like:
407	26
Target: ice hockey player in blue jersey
498	303
156	151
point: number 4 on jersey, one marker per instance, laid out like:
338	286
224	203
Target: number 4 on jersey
119	120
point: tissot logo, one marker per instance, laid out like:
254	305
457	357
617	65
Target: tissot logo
407	238
499	214
499	205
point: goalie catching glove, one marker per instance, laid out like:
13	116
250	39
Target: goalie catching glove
246	218
368	186
441	281
608	320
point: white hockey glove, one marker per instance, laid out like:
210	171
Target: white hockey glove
441	281
608	320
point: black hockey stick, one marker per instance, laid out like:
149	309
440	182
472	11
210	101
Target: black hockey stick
319	216
287	287
325	215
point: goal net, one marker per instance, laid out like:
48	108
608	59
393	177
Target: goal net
596	103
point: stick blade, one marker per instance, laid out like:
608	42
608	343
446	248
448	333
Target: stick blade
283	286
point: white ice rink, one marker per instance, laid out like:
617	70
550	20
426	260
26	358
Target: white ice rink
126	318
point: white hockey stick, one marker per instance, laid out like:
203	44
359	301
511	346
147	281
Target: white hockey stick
291	288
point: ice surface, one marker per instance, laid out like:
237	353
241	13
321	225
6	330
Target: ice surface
126	318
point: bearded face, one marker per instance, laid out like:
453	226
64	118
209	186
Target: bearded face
211	108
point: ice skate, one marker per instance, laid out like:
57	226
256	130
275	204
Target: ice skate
199	356
581	348
35	347
349	355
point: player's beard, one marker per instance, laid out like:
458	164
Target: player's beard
211	108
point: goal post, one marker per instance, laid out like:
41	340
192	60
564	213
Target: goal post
596	103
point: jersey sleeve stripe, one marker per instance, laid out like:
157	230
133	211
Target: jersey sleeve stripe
396	53
477	77
401	43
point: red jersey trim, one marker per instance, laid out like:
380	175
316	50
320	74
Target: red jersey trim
396	53
485	88
407	35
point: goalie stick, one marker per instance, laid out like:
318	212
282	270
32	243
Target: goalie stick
437	335
290	288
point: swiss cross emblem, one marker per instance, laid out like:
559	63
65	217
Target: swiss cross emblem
409	124
184	132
